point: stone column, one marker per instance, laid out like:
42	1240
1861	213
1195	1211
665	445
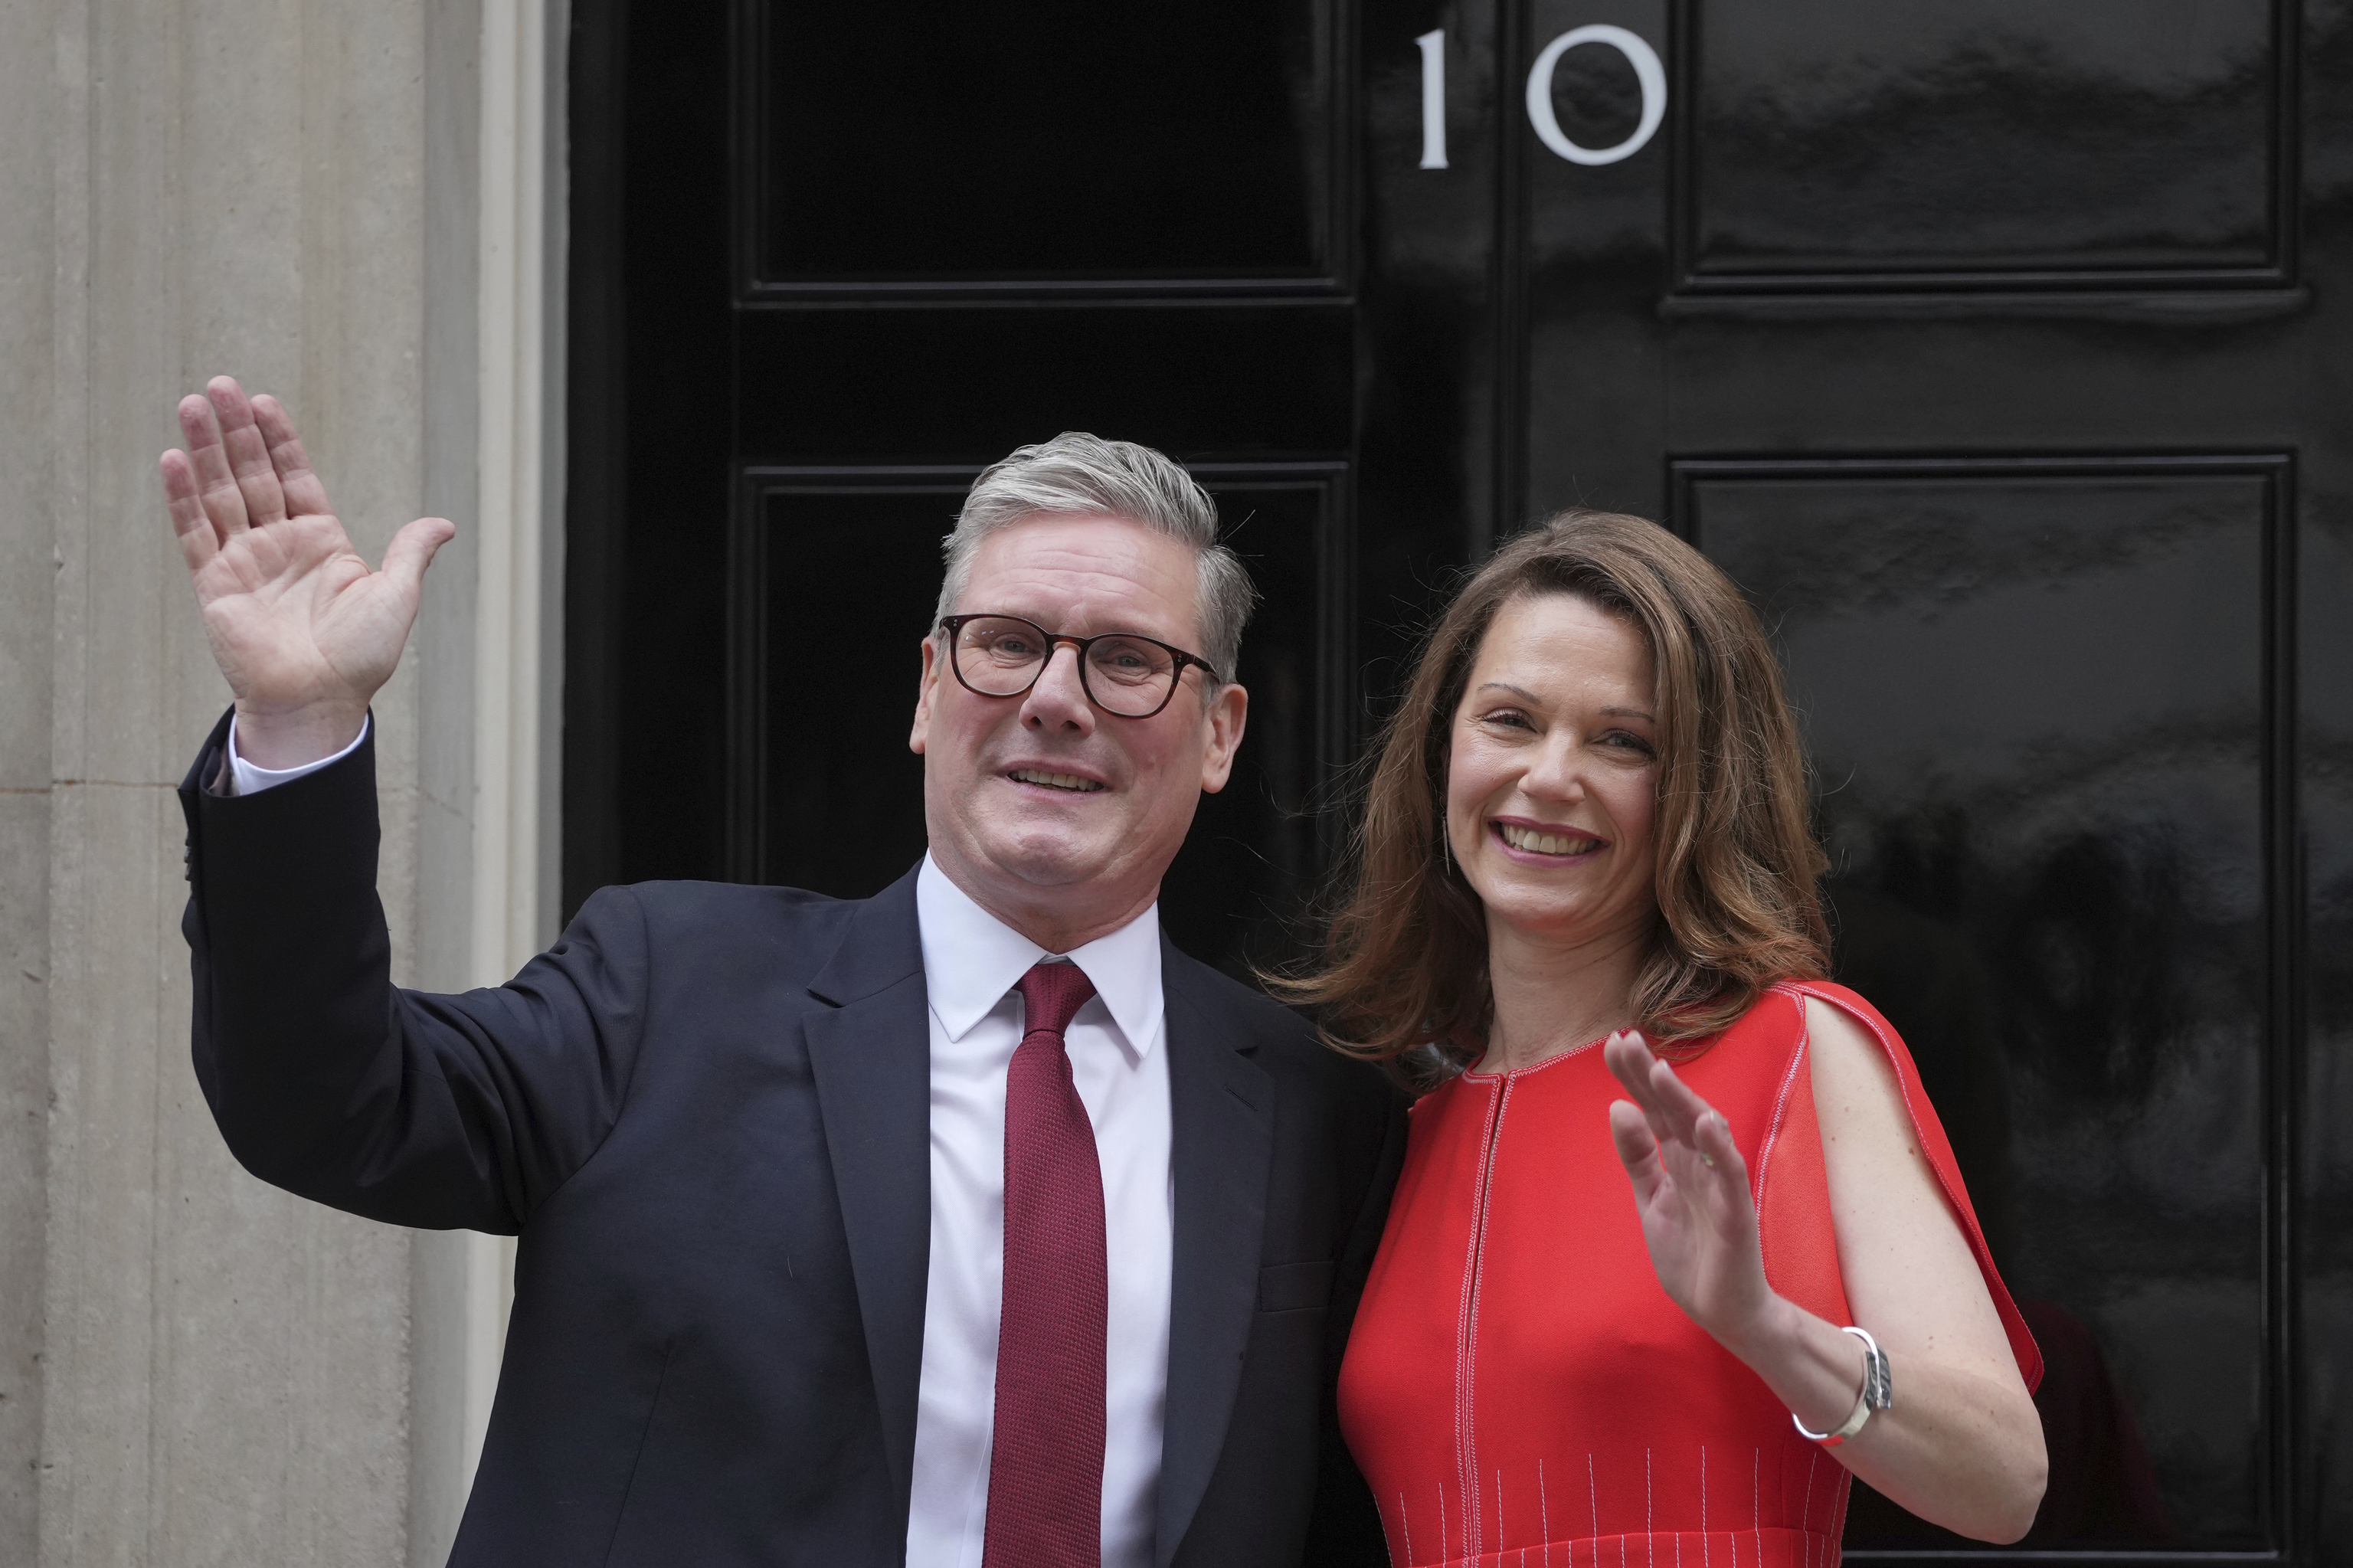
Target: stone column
195	1368
28	498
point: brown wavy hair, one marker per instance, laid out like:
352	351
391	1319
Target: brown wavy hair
1404	966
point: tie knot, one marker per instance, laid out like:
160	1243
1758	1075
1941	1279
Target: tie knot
1053	993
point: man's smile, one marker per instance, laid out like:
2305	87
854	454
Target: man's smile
1047	778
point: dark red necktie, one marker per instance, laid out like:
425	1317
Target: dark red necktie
1045	1471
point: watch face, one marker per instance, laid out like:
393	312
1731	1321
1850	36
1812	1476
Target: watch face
1878	1387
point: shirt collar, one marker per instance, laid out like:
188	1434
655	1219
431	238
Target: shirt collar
971	958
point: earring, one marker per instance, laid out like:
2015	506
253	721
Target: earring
1446	849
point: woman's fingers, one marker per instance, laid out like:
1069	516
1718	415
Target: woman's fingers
1637	1149
1682	1110
1691	1184
1676	1103
1665	1100
1629	1062
1671	1111
1632	1132
1712	1137
1732	1205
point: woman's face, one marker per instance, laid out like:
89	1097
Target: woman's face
1553	789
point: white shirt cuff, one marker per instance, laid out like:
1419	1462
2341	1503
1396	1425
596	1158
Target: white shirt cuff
250	778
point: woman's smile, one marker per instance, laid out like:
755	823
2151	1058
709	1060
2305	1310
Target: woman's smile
1540	843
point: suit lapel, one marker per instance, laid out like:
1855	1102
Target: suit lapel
869	1053
1221	1114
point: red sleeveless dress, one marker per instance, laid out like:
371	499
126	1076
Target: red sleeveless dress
1518	1389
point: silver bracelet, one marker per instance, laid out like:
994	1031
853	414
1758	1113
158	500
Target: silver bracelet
1878	1393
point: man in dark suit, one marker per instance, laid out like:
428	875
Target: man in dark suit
971	1224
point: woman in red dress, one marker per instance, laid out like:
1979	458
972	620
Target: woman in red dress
1584	905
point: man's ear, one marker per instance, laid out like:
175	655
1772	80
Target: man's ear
923	685
1228	712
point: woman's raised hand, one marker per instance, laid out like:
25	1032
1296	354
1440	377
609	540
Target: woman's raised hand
304	632
1691	1187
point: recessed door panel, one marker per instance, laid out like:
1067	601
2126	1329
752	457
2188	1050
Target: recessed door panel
902	385
1238	890
827	796
1060	143
2036	698
1983	138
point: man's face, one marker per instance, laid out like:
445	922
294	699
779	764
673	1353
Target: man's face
1065	864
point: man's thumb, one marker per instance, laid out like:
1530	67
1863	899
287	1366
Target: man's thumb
412	548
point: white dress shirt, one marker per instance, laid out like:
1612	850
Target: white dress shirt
248	779
971	964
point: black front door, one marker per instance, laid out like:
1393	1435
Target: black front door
1988	344
859	257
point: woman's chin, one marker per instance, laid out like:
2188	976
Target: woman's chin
1549	916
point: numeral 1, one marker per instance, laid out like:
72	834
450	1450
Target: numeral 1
1433	97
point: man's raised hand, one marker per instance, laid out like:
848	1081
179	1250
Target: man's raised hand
304	630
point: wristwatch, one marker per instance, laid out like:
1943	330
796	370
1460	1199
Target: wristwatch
1878	1393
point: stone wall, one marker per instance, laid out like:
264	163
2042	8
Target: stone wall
195	1368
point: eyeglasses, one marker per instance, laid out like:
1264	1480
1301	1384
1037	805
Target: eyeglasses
1121	671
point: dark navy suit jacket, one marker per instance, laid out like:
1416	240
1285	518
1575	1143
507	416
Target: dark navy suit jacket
705	1112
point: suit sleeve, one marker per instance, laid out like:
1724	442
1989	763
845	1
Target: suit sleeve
328	1081
1344	1529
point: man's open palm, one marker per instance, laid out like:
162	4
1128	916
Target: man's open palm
301	627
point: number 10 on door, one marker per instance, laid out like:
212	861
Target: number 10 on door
1648	72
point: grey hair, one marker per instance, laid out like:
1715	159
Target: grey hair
1076	472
